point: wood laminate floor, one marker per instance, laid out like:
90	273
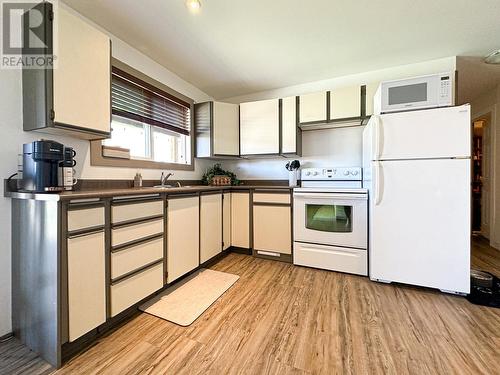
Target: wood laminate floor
283	319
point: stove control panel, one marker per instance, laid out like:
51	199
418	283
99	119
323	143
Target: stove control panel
340	173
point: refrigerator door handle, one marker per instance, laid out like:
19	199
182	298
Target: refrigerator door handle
379	183
377	129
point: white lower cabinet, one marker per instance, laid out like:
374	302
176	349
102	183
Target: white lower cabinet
210	226
86	283
272	229
130	290
132	258
240	219
182	236
128	233
226	221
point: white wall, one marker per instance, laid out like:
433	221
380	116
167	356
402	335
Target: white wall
489	102
13	138
337	147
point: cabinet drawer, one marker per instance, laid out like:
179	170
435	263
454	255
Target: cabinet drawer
131	290
271	198
134	257
331	258
122	235
85	218
134	211
86	284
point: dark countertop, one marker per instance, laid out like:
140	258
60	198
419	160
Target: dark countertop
106	193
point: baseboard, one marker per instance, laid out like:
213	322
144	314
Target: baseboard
6	337
240	250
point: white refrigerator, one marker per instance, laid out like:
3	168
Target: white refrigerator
417	168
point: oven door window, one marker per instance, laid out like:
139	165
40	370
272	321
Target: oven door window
329	218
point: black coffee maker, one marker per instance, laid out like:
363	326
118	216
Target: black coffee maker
41	166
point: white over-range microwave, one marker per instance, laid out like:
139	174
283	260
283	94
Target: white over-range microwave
432	91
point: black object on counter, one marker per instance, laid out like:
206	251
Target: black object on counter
293	165
41	166
480	294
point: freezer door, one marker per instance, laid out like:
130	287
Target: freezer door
431	133
420	223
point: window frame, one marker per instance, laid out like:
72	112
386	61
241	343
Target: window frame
96	156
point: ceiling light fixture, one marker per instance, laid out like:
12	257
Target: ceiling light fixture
493	58
193	5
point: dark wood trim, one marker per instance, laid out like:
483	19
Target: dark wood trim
98	133
132	222
107	260
362	110
272	204
136	272
165	239
86	231
78	206
116	202
270	191
134	243
182	195
211	192
328	106
280	126
240	250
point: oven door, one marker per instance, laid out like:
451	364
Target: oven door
338	219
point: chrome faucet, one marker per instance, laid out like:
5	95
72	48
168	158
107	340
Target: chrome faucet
164	178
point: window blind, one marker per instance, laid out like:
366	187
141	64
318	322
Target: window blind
138	100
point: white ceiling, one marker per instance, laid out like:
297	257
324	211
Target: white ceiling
236	47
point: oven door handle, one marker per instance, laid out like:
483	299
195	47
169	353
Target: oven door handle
331	196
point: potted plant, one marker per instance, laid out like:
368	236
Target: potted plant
217	172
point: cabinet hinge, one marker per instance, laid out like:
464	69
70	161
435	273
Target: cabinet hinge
52	114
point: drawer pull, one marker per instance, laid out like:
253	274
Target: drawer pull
132	273
133	243
85	232
136	221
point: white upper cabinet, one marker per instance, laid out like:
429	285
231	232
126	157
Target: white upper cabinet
260	127
371	89
75	97
345	103
82	84
226	129
313	107
290	139
217	130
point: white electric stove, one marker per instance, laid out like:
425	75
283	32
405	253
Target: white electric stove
331	220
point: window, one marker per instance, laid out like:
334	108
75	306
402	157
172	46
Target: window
150	124
148	142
